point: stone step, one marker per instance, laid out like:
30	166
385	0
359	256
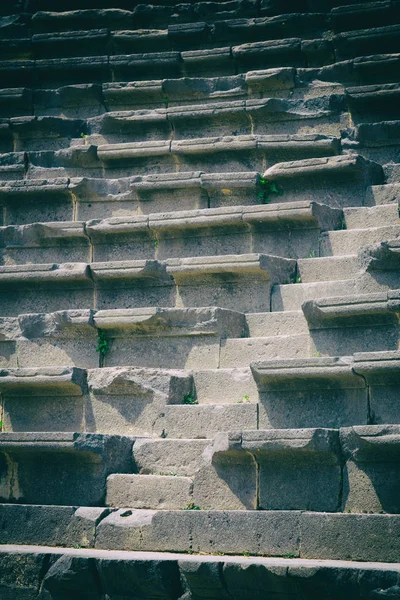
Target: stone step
353	16
368	217
278	470
362	42
276	323
225	59
368	102
40	132
227	117
239	352
169	574
235	153
232	153
156	492
340	243
378	195
331	268
340	180
363	70
290	297
79	462
312	392
151	337
136	284
350	324
392	172
50	18
119	401
289	229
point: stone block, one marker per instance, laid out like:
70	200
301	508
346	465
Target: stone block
24	287
49	525
40	243
170	338
204	421
314	177
228	386
274	53
357	537
364	42
43	399
20	575
130	401
162	192
132	284
213	280
61	338
371	470
161	492
313	392
276	469
381	373
36	201
155	456
126	529
79	463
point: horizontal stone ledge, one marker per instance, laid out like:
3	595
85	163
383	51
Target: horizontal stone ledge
57	187
371	442
146	572
30	276
268	442
270	267
108	272
352	166
275	533
378	135
279	216
165	322
373	95
79	462
273	143
167	385
43	381
42	235
384	256
360	41
378	368
306	374
362	310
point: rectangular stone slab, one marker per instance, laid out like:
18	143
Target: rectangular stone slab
371	476
289	462
314	392
78	462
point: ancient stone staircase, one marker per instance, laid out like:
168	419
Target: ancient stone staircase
199	300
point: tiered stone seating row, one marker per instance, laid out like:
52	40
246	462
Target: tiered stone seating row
199	299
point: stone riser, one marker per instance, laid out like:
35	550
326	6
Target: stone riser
299	534
120	573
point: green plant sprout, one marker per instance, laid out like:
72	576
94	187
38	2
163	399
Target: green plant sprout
192	506
267	189
1	425
189	398
103	345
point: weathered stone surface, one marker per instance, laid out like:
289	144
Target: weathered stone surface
381	372
314	175
370	476
80	463
210	280
204	421
50	525
129	401
352	537
163	456
313	392
289	464
166	492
